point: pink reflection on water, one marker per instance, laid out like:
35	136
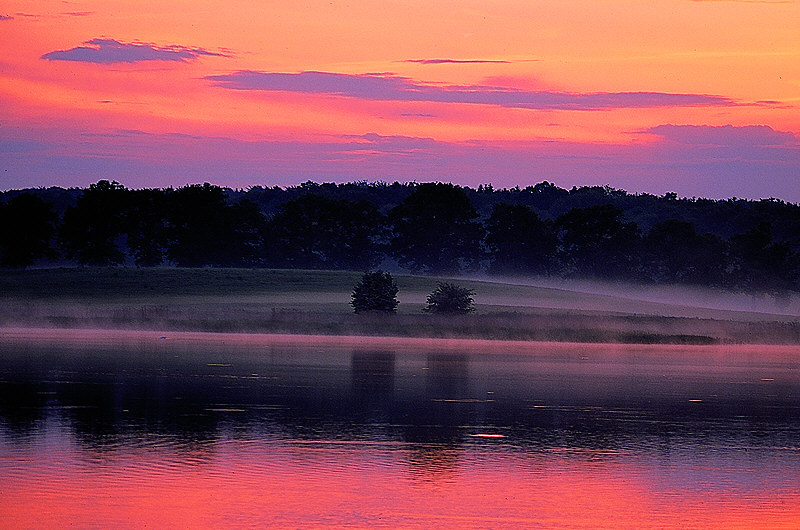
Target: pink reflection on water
313	484
485	482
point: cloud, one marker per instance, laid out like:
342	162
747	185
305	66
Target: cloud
454	61
751	161
725	136
6	17
110	51
390	87
750	1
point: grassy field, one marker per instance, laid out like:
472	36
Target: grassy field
317	302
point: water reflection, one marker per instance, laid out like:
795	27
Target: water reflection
372	374
405	420
420	398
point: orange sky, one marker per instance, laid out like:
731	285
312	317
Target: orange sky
467	73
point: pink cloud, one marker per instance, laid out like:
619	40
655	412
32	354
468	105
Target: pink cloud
390	87
455	61
110	51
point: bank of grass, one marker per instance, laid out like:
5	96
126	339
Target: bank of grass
317	302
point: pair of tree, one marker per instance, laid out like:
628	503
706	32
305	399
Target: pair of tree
377	291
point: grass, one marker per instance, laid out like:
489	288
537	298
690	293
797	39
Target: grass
317	302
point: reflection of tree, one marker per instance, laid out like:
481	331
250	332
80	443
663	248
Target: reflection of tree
187	397
104	400
447	376
372	384
372	375
432	460
434	428
21	406
104	412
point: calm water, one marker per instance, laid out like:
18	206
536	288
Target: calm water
181	433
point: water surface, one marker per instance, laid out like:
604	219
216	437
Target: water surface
183	432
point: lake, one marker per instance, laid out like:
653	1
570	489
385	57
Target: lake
195	430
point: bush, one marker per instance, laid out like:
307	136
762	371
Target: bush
450	298
377	291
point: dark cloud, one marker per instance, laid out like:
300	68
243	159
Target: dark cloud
455	61
390	87
110	51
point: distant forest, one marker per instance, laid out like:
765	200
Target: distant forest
431	228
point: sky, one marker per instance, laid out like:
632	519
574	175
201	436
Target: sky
696	97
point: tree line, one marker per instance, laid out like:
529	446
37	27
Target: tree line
429	228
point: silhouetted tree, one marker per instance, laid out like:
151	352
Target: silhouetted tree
314	232
596	241
544	195
377	291
198	232
146	226
435	230
205	230
92	229
518	242
732	243
758	263
246	223
674	252
450	298
27	227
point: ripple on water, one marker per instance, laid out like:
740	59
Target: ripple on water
342	438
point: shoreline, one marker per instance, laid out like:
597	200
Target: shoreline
99	337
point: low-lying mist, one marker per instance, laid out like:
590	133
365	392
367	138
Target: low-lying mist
665	300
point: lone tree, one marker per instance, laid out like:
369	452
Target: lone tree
450	298
377	291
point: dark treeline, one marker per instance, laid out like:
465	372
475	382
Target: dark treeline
588	232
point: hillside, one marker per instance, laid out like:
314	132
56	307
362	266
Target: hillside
317	302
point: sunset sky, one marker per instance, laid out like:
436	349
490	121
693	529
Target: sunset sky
699	97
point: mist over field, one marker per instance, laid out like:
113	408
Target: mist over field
318	302
665	300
